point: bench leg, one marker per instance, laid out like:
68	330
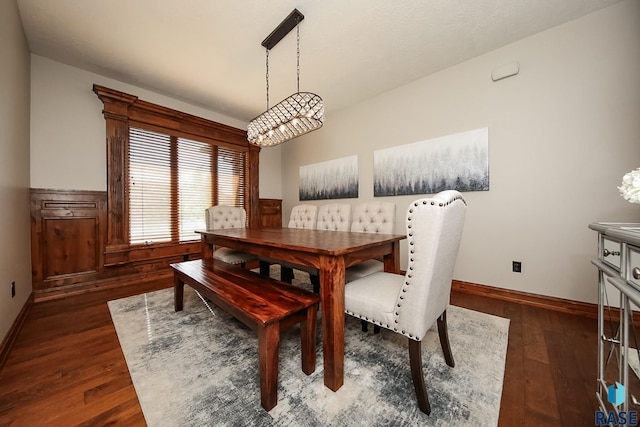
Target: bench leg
268	344
308	329
178	292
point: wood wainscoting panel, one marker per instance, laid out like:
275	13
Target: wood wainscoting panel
67	236
70	246
69	251
270	212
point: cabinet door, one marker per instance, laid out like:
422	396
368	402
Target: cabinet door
67	237
270	213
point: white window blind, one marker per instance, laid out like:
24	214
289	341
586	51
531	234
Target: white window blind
231	179
172	180
150	175
195	186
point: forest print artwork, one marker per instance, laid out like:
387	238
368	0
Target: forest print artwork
453	162
333	179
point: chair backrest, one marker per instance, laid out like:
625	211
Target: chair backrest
374	217
221	216
434	231
334	217
303	216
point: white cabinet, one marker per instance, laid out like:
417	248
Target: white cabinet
618	262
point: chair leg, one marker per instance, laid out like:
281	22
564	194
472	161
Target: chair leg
415	360
286	274
265	268
315	281
444	339
365	327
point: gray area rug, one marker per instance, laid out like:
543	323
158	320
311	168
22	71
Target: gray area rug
199	367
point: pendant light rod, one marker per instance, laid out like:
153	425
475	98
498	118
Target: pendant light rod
283	29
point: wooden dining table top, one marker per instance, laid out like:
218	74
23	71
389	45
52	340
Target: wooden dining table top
327	242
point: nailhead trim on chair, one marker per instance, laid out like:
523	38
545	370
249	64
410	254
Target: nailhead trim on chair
367	319
409	275
410	267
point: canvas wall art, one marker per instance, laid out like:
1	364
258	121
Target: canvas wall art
453	162
333	179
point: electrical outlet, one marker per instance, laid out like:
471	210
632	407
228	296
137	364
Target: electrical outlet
517	266
13	289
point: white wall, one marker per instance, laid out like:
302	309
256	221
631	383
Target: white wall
561	135
15	255
270	172
68	148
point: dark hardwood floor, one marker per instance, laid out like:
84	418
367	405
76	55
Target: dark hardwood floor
67	369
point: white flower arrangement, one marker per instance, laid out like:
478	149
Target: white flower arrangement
630	188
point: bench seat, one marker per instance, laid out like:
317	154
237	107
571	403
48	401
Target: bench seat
266	305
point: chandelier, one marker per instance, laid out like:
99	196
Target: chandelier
296	115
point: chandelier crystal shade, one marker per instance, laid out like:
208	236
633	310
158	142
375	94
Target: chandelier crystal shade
300	113
296	115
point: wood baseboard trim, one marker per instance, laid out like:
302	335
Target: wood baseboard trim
546	302
16	327
525	298
100	285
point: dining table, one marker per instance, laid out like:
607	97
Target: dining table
331	253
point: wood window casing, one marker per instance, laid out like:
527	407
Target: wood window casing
122	111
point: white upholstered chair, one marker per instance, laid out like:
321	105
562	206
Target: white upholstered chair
221	216
302	216
411	304
371	217
331	217
334	217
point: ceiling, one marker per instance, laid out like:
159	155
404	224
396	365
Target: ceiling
209	53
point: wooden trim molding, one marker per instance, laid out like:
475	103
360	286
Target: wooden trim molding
165	274
14	331
253	186
534	300
121	110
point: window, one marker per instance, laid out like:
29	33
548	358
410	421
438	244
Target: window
172	180
164	168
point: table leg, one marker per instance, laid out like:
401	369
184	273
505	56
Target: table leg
206	248
392	260
332	305
178	292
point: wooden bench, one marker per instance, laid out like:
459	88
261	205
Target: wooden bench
266	305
